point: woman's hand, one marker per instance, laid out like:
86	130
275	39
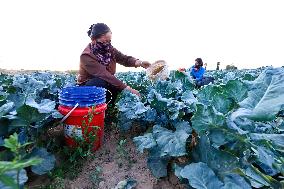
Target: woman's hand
144	64
133	91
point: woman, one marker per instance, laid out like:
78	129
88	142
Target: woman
98	62
197	72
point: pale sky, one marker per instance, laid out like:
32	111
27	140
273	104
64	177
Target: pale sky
51	34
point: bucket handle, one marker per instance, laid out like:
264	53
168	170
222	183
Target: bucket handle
67	115
110	96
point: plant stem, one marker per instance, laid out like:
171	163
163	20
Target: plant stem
18	179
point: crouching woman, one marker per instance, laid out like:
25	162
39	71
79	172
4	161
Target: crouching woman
98	63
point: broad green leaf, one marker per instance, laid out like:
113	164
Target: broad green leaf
236	90
171	143
144	142
234	181
30	114
276	139
17	123
266	95
8	184
218	137
206	118
188	97
222	103
6	108
131	106
266	159
258	179
46	165
255	179
187	82
183	126
46	105
207	93
221	162
200	176
157	164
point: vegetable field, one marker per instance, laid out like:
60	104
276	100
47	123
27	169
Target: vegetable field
225	135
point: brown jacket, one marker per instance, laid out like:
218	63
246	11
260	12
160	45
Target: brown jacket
90	67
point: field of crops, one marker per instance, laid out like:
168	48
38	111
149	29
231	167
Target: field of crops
226	135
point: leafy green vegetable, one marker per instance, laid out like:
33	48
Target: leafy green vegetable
46	165
200	176
266	95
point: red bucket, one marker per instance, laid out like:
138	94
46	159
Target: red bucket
79	120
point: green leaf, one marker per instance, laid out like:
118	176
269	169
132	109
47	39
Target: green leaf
266	159
183	126
30	114
46	165
157	164
266	95
258	179
234	181
222	104
131	106
12	142
144	142
6	108
236	90
7	184
276	139
205	118
200	176
14	123
188	97
207	93
171	143
20	164
187	82
218	137
46	105
221	162
255	179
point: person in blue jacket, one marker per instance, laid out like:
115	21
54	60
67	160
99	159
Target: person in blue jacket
197	72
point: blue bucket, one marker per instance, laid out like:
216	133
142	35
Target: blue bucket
85	96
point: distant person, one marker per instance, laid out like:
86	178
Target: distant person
98	62
197	72
218	66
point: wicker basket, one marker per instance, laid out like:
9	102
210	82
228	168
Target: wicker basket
158	70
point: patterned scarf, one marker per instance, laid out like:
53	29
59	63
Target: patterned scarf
102	51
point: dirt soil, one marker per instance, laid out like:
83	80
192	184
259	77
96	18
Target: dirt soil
117	160
114	163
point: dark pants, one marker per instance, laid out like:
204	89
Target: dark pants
102	83
205	81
